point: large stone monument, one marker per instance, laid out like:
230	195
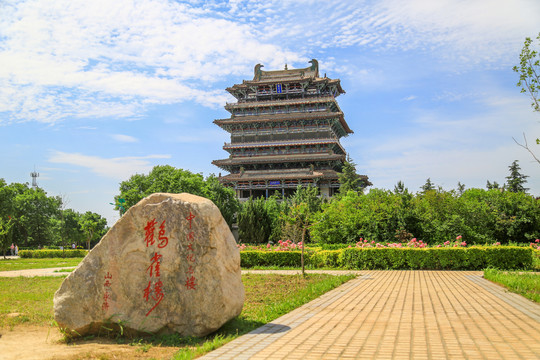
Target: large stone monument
170	264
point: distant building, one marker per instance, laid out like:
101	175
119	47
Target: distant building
285	130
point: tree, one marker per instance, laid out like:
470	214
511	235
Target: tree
168	179
93	225
400	188
493	185
428	186
70	228
35	213
224	198
254	222
5	239
516	180
460	188
304	203
350	180
529	72
529	81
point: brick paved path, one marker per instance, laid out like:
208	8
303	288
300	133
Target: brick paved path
401	315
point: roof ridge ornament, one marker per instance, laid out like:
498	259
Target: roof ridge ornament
314	67
258	72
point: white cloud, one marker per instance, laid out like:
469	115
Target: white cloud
56	58
78	59
409	98
124	138
118	168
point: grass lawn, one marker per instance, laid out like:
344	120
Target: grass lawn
522	283
267	298
23	264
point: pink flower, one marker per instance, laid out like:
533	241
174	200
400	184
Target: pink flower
464	244
459	237
537	241
268	246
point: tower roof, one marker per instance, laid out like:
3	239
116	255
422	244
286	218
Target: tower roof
308	74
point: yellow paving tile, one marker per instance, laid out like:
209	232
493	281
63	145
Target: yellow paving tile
404	315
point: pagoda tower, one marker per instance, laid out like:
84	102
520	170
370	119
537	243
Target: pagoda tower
285	129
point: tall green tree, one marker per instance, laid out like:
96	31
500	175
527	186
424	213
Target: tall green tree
428	186
350	180
493	185
5	238
516	180
254	222
34	212
94	227
275	207
168	179
224	198
67	229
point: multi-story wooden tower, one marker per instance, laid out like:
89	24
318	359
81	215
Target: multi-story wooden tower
285	130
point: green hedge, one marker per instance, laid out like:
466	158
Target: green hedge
252	258
40	254
471	258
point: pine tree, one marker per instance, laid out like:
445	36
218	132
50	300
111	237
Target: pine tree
350	180
493	185
428	186
516	180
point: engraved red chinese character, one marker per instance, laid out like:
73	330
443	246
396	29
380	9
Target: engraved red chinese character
108	276
154	266
147	290
189	218
107	283
190	283
190	270
149	235
190	236
158	294
190	258
163	240
105	306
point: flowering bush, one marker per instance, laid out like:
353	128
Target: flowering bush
536	244
286	245
449	258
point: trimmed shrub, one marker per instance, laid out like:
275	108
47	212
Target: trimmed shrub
252	258
40	254
325	258
473	258
509	257
460	258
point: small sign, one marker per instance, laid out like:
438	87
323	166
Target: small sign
278	88
274	182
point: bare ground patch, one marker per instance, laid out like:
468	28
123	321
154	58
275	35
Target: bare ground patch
44	343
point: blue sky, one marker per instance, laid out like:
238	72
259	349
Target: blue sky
92	92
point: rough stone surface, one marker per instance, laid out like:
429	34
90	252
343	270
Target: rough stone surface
189	283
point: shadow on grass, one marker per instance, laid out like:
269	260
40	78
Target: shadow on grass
233	328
